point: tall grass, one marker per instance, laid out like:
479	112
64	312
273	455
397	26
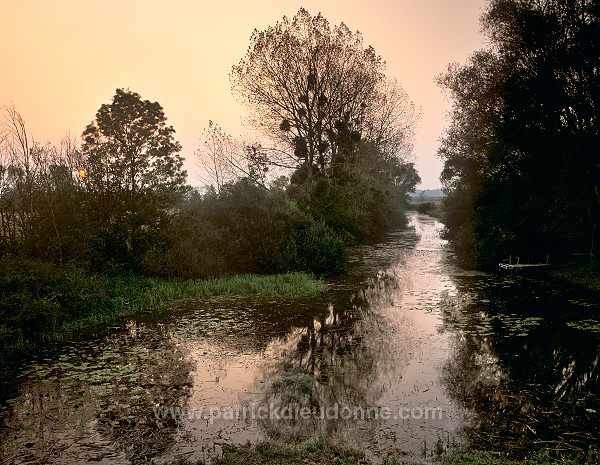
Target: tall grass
131	294
41	302
151	292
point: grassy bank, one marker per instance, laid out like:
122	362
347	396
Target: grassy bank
326	453
587	276
486	458
41	302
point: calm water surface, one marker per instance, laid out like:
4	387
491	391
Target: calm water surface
432	356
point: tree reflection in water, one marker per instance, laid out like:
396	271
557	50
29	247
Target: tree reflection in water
81	405
422	334
531	380
333	361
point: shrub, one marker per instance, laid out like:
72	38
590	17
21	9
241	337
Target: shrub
249	229
314	247
425	207
362	198
37	297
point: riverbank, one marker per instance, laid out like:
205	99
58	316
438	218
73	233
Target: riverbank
41	302
326	453
586	276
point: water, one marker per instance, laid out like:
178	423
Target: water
407	355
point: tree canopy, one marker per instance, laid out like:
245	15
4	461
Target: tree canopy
133	176
130	149
521	155
319	90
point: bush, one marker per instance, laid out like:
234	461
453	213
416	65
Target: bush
425	207
128	246
248	229
314	247
38	297
361	199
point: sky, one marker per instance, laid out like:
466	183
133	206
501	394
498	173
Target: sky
61	59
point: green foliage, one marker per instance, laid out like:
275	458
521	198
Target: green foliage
134	175
42	207
128	212
127	246
248	229
37	298
425	207
113	217
434	207
129	149
128	218
312	246
40	301
521	158
366	197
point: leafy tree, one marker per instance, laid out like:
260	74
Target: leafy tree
521	159
134	173
130	150
319	90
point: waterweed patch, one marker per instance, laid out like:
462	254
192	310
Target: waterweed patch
293	384
114	386
486	325
586	325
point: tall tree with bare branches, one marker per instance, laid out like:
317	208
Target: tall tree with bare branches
319	90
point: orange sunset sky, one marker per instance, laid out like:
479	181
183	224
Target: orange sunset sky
62	59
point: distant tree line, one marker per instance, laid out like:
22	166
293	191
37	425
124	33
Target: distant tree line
522	158
334	171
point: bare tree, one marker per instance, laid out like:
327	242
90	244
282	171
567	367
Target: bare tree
315	88
21	173
223	158
38	191
6	183
213	156
392	120
55	181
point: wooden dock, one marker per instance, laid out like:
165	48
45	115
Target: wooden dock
510	266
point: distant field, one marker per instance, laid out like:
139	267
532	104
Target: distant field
419	200
432	206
